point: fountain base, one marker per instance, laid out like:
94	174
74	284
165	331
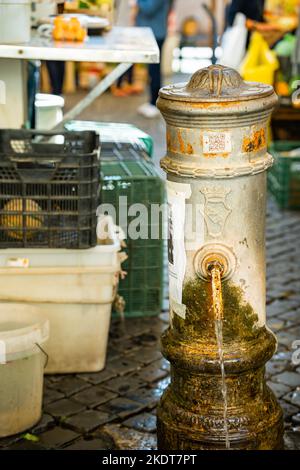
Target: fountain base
190	414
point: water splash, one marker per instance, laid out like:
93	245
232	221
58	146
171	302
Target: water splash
216	272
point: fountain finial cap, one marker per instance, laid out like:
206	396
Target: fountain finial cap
216	83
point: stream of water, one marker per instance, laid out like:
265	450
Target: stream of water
216	280
219	336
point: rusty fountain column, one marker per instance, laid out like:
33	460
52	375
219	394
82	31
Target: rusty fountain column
217	341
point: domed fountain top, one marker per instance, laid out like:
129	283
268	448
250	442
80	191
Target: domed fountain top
216	83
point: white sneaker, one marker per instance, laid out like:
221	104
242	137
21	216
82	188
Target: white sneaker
148	110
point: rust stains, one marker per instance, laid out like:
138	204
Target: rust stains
184	147
255	142
216	155
181	142
213	104
168	135
189	149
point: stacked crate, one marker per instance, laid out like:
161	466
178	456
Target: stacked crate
116	133
48	190
127	170
284	176
49	193
139	181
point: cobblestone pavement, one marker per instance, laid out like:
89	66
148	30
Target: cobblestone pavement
115	408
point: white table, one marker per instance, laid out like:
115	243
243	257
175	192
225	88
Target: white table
123	46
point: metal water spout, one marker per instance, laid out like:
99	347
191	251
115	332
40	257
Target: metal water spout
217	341
216	270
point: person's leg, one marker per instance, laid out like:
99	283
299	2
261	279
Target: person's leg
130	76
120	81
127	88
155	77
149	110
33	87
126	76
56	70
120	88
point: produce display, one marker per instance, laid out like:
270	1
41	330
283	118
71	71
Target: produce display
13	217
281	7
68	29
103	8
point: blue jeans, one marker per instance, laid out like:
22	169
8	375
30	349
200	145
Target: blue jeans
56	70
155	76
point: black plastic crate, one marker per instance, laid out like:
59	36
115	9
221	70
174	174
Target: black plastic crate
49	184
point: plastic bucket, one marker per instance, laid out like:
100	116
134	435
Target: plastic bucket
22	361
15	21
49	110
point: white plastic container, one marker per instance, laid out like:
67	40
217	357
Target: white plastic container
79	335
15	21
58	285
60	276
100	255
77	302
74	289
22	362
41	10
49	110
104	254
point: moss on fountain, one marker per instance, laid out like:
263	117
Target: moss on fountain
240	320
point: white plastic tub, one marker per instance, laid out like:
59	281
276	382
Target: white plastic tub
100	255
49	110
74	289
22	362
77	302
59	285
79	335
42	9
15	21
104	254
58	275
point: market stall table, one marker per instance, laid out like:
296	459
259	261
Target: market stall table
123	46
285	123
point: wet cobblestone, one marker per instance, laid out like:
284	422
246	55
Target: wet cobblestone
88	421
57	437
94	396
115	408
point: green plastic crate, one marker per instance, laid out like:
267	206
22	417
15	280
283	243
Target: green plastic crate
115	132
124	151
142	288
284	176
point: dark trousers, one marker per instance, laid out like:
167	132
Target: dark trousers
32	89
56	70
155	76
126	76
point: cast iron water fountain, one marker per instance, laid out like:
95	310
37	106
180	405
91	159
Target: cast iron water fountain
217	342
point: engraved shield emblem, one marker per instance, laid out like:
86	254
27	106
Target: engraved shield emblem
216	210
